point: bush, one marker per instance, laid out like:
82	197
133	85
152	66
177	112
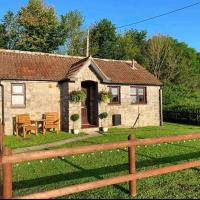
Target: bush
75	117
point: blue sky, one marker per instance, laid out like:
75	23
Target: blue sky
183	25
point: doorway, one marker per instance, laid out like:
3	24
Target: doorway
89	108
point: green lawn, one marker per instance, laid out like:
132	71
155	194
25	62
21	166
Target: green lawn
48	174
30	140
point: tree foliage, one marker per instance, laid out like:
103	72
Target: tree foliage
103	39
36	27
39	28
131	45
9	31
171	61
74	43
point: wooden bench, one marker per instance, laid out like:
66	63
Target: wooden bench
51	121
24	122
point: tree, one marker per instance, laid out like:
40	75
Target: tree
76	45
185	62
170	60
39	28
131	45
75	38
36	27
9	29
2	41
103	39
157	50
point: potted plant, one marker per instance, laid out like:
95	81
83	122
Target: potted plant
105	96
77	96
103	116
74	118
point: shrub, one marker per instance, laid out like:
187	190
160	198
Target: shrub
103	115
75	117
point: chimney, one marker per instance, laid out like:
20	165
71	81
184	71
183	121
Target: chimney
88	44
133	64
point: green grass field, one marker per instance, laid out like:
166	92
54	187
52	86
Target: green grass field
43	175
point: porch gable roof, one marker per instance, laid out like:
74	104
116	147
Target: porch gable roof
76	68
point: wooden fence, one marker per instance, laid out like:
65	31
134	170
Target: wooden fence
1	151
185	116
7	160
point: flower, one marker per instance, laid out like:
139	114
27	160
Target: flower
105	96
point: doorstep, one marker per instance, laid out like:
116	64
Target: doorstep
90	130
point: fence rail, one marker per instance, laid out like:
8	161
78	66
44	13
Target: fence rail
7	159
185	116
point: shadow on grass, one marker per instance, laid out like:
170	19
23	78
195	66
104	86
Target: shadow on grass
99	172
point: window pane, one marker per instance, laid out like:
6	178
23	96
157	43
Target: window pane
133	99
114	91
17	89
140	91
18	100
141	99
133	91
115	99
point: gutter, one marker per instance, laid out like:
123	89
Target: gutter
160	106
3	111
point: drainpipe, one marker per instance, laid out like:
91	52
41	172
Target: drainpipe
160	106
2	114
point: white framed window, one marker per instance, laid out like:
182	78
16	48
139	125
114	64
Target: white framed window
18	95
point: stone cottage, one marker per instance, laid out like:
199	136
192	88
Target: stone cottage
36	83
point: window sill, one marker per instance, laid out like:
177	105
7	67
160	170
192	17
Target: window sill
114	104
138	104
15	106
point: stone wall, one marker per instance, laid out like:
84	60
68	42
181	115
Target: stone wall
149	113
41	97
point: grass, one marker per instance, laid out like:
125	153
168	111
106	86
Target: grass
49	174
31	140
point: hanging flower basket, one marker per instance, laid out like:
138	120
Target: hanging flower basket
77	96
105	96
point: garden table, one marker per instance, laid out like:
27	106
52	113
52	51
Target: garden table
37	123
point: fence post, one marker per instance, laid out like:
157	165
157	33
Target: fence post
1	135
1	154
132	167
7	175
